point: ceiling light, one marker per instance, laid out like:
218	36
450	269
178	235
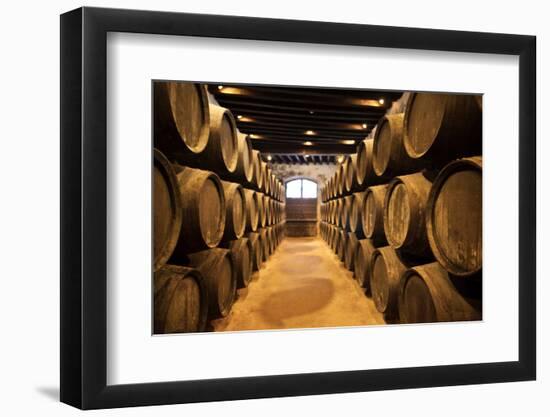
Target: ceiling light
254	136
311	112
306	156
269	158
364	125
348	142
220	87
381	101
308	143
340	159
310	132
239	117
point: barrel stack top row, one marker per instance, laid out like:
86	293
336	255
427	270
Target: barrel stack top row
434	130
191	131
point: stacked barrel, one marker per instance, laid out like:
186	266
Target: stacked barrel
404	213
218	209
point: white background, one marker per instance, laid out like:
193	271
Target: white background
133	60
29	219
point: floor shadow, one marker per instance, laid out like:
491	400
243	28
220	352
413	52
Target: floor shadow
310	295
50	392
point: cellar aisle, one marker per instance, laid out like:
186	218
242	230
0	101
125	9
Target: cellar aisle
303	284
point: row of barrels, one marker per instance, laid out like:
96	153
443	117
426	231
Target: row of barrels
189	292
218	209
434	130
426	214
405	289
194	210
194	132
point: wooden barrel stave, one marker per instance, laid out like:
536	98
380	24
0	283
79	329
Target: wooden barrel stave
389	155
362	263
386	269
203	210
372	214
429	294
454	217
235	213
254	240
181	119
350	250
404	213
219	273
252	210
180	300
441	127
167	215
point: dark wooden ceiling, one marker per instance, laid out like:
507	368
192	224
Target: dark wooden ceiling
290	122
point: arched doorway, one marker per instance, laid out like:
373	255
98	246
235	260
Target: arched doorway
301	207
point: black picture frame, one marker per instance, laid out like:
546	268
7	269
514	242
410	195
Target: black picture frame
84	207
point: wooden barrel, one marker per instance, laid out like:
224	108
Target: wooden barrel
271	239
348	207
235	212
252	210
217	268
364	251
442	127
180	300
242	260
264	243
222	151
268	211
337	211
181	119
429	294
351	248
330	234
254	240
389	156
340	179
265	181
404	215
372	215
351	184
454	216
342	243
244	171
166	210
364	170
335	240
329	189
386	269
258	178
261	209
203	210
272	184
355	220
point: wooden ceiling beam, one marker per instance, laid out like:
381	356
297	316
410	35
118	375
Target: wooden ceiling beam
305	115
367	101
287	148
302	127
301	136
231	104
319	93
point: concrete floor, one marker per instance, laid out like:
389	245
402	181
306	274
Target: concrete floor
302	285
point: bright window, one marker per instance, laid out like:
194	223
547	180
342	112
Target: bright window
301	189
